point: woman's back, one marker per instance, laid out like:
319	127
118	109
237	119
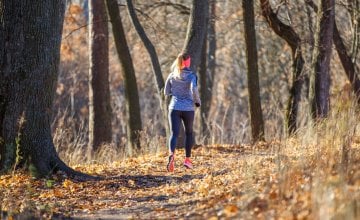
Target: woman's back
182	89
180	86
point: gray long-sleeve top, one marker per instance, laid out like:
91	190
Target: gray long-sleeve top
183	89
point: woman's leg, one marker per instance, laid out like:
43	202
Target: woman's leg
188	119
174	120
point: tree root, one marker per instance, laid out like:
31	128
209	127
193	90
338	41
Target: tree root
73	174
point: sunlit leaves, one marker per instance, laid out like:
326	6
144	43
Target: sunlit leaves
227	182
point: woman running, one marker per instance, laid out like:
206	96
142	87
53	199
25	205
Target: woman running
181	85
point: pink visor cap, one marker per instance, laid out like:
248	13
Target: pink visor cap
186	63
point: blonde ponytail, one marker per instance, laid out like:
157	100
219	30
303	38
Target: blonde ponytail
177	65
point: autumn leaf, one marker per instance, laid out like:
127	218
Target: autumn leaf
231	210
67	184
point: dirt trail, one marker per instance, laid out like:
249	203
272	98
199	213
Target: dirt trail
239	182
144	190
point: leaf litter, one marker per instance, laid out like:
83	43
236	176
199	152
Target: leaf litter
228	181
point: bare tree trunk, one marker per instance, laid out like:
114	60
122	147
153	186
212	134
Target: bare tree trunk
29	70
295	90
257	123
347	63
207	77
212	50
203	86
99	91
134	125
196	31
155	64
346	60
354	9
320	77
293	40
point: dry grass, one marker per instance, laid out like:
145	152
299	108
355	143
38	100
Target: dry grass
313	175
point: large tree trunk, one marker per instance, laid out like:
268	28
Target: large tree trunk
208	73
320	76
203	87
134	125
293	40
99	91
155	64
196	31
29	70
256	118
2	80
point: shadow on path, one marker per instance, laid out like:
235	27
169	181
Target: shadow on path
148	181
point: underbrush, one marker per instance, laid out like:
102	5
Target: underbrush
314	174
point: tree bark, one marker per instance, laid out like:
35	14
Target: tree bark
203	87
29	70
354	9
295	91
134	125
207	76
99	90
293	40
256	118
196	31
320	77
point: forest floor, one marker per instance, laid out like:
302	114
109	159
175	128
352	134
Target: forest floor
266	181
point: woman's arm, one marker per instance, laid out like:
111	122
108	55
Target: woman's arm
195	91
167	88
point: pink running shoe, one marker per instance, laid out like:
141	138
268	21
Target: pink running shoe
171	164
188	163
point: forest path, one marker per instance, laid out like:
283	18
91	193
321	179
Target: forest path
145	190
228	181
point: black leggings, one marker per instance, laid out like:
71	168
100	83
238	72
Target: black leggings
175	118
